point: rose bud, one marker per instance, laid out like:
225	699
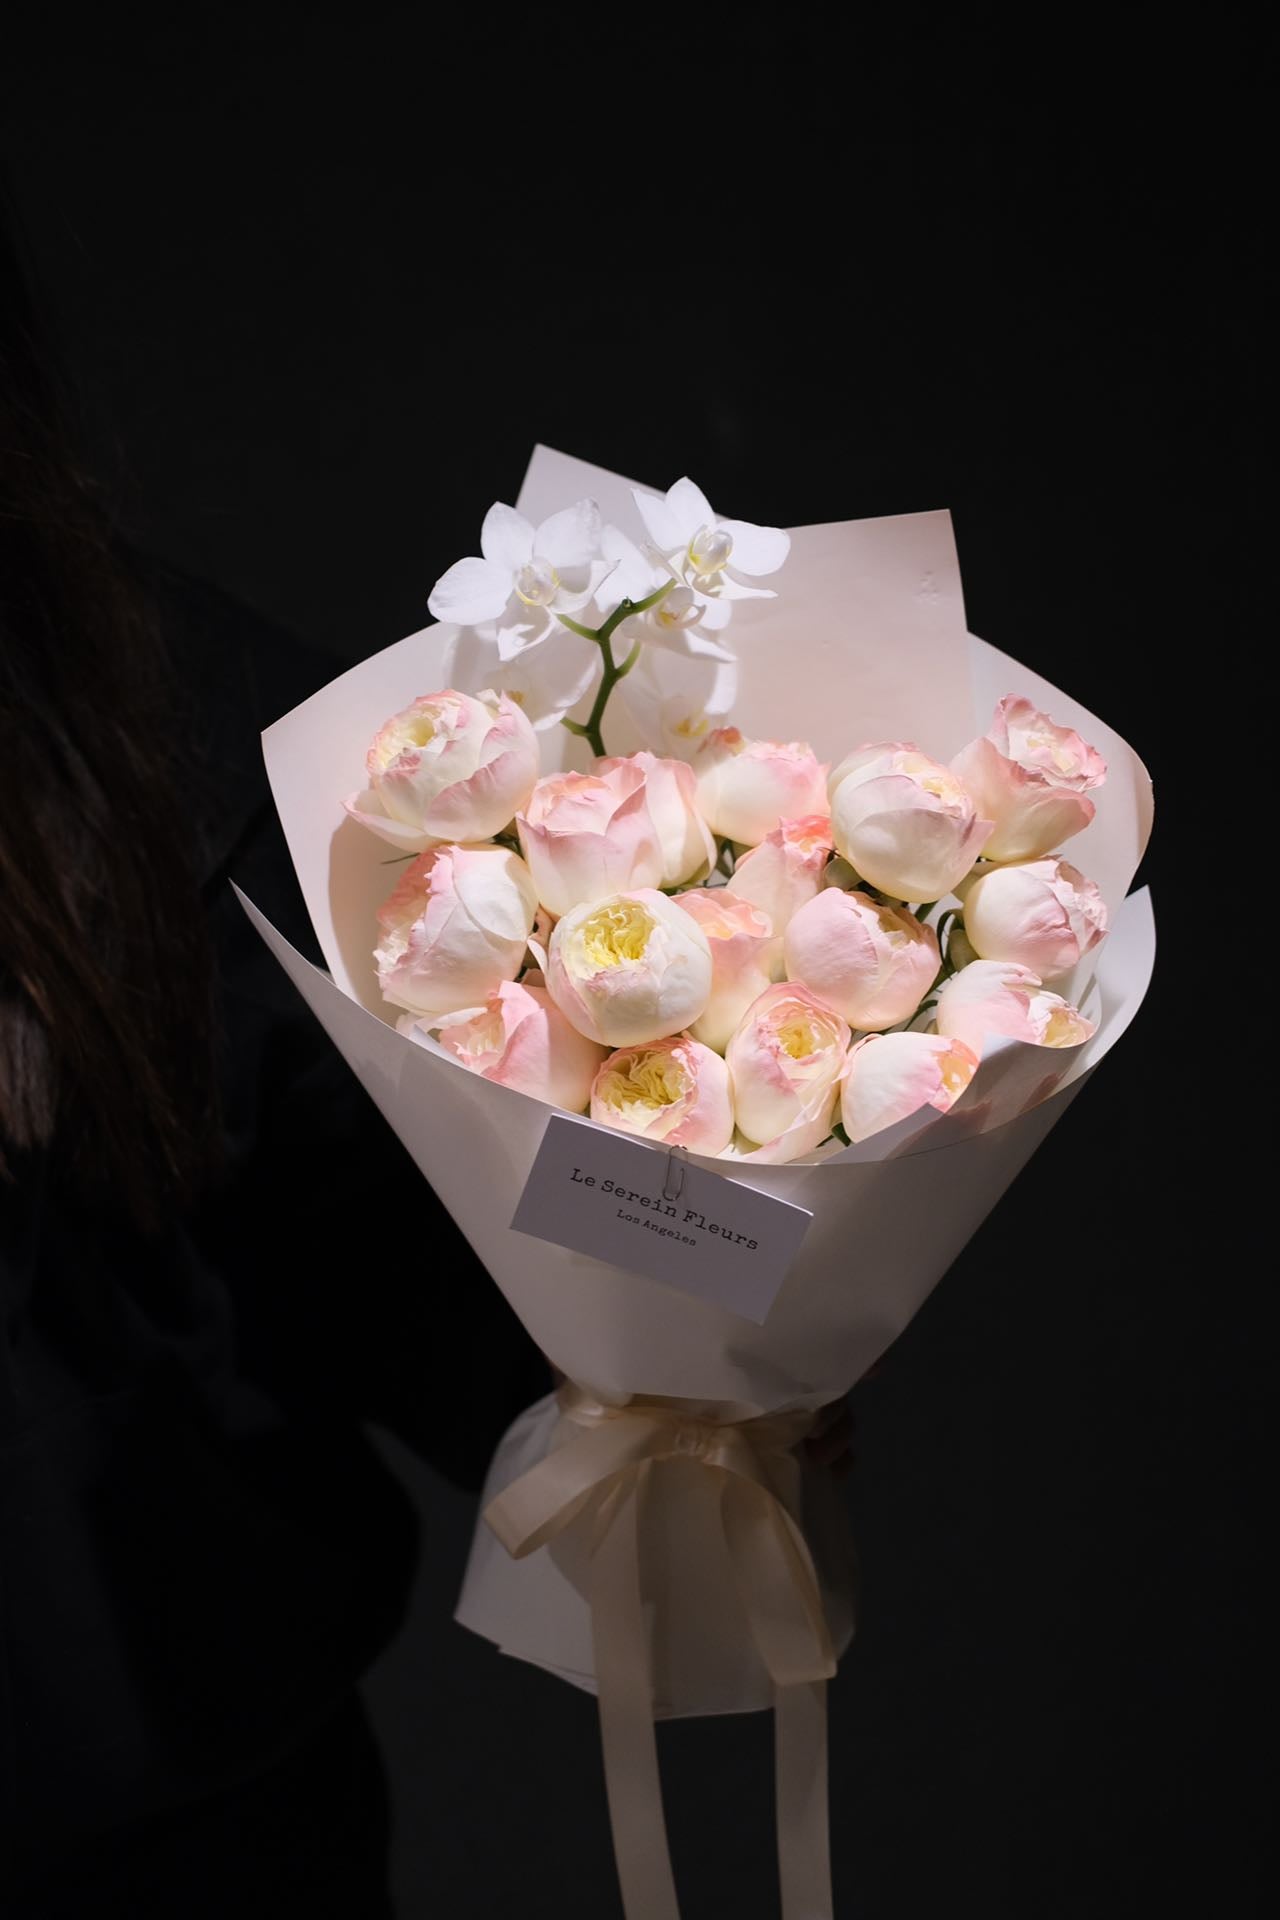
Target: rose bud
787	868
741	942
630	968
457	924
997	997
453	766
586	835
746	787
873	964
904	822
519	1038
671	795
1044	915
1029	777
785	1061
673	1090
892	1075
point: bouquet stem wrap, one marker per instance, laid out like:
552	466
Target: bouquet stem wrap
603	1469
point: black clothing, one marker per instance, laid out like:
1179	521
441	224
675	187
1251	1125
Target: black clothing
200	1550
309	1838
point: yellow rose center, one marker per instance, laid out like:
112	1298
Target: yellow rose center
721	923
933	778
891	926
954	1072
645	1086
484	1035
403	735
616	935
1063	1029
800	1035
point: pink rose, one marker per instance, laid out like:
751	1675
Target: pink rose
629	969
586	835
671	795
903	822
787	867
997	997
1044	915
892	1075
785	1061
746	787
1029	777
453	766
519	1038
674	1090
457	925
741	942
873	964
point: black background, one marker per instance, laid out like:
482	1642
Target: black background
323	278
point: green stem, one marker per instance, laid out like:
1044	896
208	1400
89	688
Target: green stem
944	973
589	729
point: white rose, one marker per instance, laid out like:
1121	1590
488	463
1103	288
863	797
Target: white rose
746	788
671	796
453	766
904	822
457	924
630	968
1044	915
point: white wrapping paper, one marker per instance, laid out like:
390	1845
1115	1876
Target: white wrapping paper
866	640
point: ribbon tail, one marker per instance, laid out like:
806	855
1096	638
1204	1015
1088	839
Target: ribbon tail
627	1733
804	1841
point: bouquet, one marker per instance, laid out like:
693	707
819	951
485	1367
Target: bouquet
702	924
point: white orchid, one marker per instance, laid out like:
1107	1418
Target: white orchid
546	681
514	609
526	576
714	558
678	621
678	700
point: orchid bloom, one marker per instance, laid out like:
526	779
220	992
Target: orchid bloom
678	622
527	576
675	700
545	681
714	559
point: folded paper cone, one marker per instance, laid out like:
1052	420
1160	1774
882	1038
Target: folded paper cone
867	640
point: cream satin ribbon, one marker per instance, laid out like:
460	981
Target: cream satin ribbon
601	1476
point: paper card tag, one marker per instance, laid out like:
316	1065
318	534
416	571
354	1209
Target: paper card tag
603	1194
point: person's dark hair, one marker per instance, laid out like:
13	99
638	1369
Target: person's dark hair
106	1026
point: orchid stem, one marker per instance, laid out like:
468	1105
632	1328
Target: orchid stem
602	637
